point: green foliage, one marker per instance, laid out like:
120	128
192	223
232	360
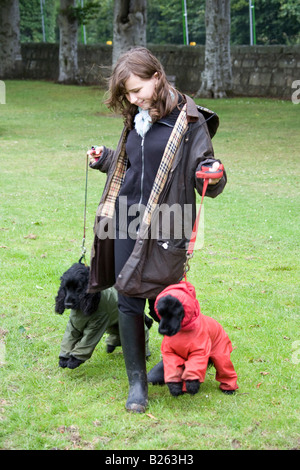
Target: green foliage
100	28
165	22
83	14
246	276
31	20
277	21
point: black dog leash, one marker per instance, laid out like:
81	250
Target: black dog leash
83	249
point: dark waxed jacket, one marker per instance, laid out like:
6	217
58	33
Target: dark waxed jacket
157	262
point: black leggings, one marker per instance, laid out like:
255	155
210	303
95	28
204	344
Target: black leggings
128	305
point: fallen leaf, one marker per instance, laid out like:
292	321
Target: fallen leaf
151	416
31	236
97	423
264	372
3	332
259	384
236	444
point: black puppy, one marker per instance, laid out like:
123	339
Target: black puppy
91	316
190	341
171	312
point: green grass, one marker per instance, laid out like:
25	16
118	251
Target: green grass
246	276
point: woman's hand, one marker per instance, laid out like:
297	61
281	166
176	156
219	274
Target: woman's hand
214	167
94	154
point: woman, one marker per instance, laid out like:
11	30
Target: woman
164	142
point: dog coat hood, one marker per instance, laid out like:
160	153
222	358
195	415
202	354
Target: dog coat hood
185	292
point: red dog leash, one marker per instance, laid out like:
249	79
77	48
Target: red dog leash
206	175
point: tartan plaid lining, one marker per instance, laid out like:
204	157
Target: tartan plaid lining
108	206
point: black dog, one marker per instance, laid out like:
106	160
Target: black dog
91	316
171	312
191	340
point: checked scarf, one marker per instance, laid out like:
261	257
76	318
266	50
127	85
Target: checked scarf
108	206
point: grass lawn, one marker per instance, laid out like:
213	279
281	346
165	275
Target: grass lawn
246	276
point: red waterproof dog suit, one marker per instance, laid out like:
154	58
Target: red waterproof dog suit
186	354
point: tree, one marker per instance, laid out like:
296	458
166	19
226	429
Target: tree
130	20
68	30
10	50
216	78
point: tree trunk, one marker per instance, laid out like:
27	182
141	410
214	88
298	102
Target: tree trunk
216	78
130	20
68	30
10	50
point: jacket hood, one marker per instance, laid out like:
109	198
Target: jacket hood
211	118
185	292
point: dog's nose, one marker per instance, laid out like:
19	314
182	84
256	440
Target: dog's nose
166	331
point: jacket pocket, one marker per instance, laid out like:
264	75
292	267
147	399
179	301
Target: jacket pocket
165	263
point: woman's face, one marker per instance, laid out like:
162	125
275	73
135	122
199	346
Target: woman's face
140	92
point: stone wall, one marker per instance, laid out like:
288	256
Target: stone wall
257	70
265	70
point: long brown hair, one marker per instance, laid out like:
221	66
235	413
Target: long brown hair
141	62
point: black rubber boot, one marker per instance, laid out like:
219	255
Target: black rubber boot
132	334
156	374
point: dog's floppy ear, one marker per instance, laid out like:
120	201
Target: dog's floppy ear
89	303
60	300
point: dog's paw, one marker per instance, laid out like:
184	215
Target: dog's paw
192	386
73	362
63	362
110	348
175	388
148	322
228	392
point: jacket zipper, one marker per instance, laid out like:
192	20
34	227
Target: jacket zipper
142	177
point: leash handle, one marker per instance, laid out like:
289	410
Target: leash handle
205	173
